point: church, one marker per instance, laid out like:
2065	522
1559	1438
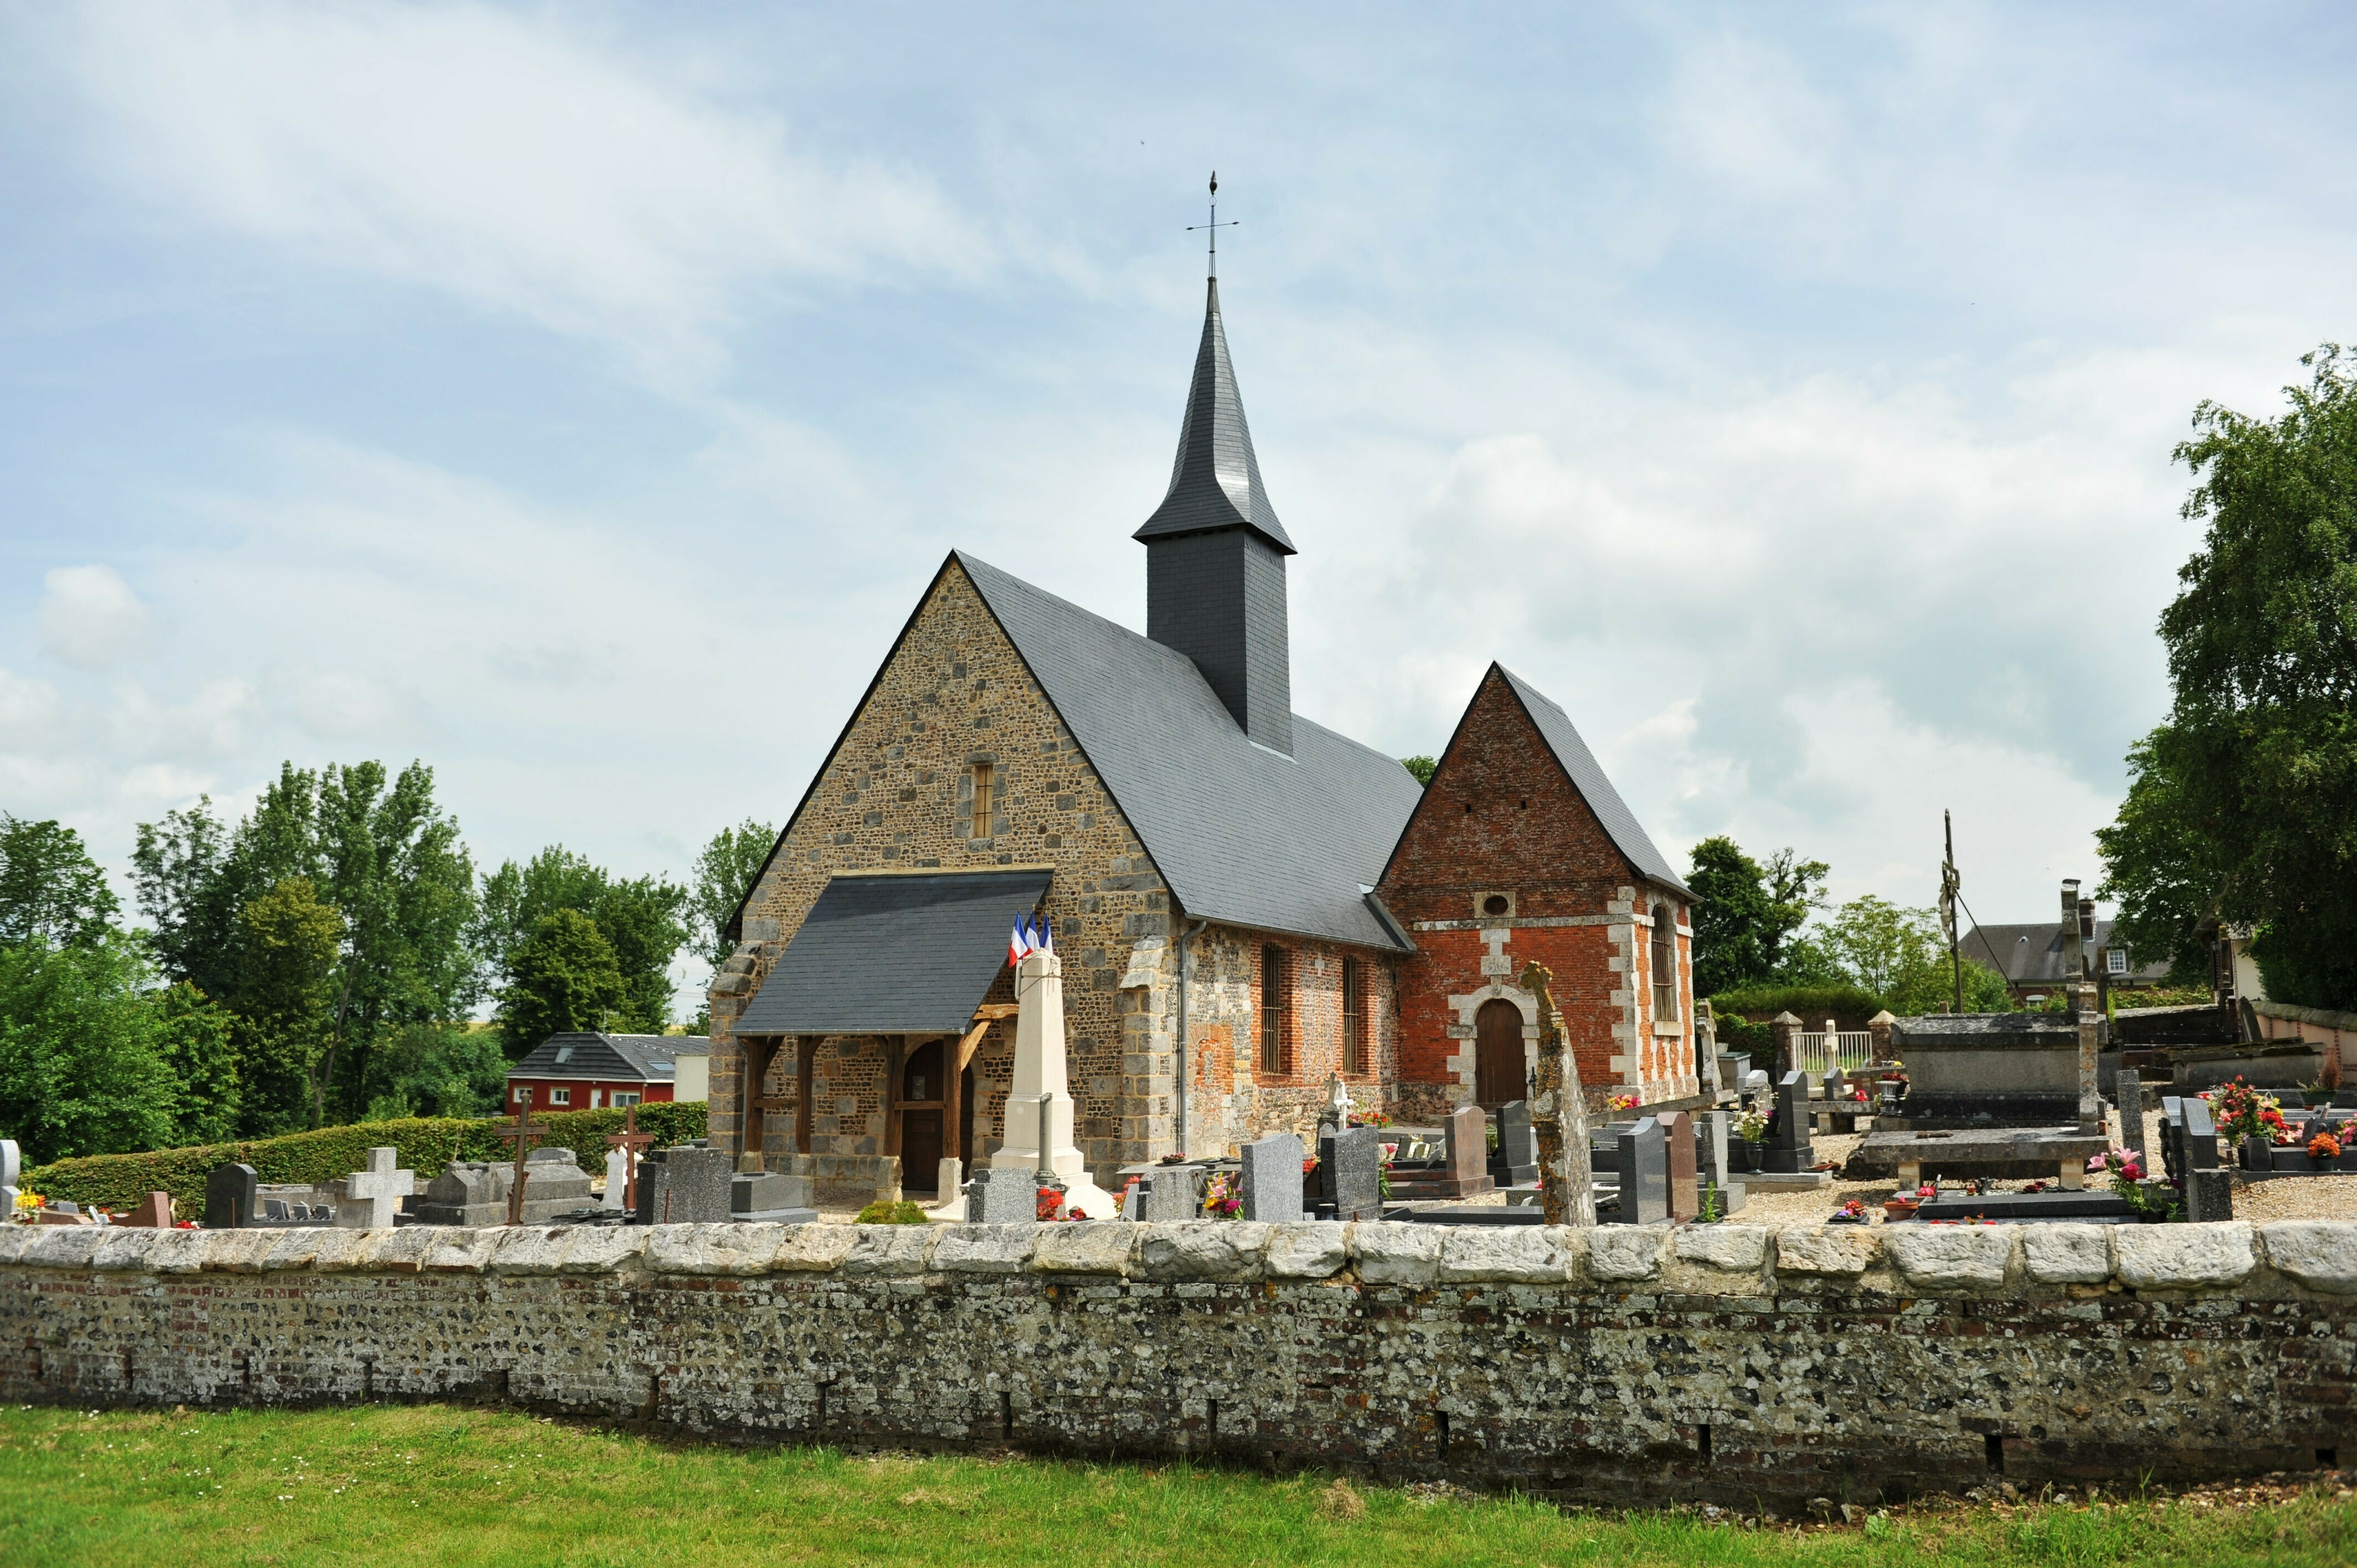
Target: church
1247	903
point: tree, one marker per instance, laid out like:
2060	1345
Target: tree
50	889
1796	889
1731	917
563	976
198	1044
79	1071
288	944
1424	768
440	1070
724	875
381	853
2255	769
2159	867
640	920
1877	944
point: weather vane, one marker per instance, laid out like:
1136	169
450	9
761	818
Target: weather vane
1214	225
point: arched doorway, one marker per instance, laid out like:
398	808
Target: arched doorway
921	1099
1498	1074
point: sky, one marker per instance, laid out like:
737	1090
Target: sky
578	399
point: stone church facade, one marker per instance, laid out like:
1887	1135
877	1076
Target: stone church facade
1247	903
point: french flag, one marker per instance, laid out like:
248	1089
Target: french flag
1030	936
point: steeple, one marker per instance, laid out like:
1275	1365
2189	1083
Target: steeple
1214	551
1215	480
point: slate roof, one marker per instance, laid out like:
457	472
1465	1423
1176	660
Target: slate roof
646	1058
894	955
1241	834
2032	954
1620	824
1215	478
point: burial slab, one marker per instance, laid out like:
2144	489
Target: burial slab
762	1197
2004	1154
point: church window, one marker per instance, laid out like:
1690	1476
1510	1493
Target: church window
1273	999
1495	903
1354	1015
983	801
1665	964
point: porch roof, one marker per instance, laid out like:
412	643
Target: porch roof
908	953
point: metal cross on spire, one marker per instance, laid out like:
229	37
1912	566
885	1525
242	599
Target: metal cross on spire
1214	225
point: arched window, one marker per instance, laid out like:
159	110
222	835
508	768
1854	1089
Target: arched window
1665	964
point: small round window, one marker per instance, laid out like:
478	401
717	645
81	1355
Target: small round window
1495	903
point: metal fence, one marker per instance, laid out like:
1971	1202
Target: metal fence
1817	1055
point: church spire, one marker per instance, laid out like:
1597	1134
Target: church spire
1215	480
1216	552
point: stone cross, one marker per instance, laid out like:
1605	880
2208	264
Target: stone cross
521	1134
1559	1116
1272	1178
1705	1028
2129	1089
628	1143
372	1196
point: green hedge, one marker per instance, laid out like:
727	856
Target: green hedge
427	1145
1812	1004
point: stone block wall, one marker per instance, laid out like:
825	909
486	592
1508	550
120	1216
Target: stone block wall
1732	1363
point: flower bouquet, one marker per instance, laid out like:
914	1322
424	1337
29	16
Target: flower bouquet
1852	1213
1223	1197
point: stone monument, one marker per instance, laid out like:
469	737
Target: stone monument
1559	1116
1040	1071
372	1196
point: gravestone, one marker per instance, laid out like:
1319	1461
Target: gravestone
1516	1163
2129	1089
1789	1149
155	1212
2172	1136
1174	1193
1678	1154
1002	1197
12	1176
372	1196
2209	1195
1467	1157
2258	1152
229	1197
1841	1109
2200	1150
772	1198
1644	1173
1272	1178
1355	1156
1733	1067
617	1178
949	1179
1713	1169
686	1184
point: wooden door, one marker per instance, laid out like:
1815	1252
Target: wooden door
920	1100
1499	1070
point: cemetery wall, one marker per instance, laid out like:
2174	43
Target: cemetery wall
1501	816
1732	1363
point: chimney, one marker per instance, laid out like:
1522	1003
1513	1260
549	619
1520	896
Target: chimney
1215	555
2074	952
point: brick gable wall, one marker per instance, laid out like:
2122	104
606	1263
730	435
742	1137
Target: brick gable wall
1502	818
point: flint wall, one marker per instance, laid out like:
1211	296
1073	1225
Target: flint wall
1735	1363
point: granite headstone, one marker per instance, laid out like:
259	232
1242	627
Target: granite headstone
1354	1156
1678	1151
228	1197
686	1184
1272	1178
1644	1173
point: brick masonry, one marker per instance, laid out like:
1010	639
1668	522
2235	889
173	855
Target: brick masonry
1732	1363
1502	820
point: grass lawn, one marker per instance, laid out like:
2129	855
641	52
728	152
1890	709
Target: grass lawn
389	1485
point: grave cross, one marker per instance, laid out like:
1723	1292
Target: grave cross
523	1133
629	1140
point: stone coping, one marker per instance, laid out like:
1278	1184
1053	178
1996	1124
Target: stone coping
2282	1260
2323	1016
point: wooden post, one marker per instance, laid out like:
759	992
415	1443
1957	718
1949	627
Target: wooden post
759	1054
806	1090
522	1132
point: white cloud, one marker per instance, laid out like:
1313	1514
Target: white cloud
501	157
1743	114
90	618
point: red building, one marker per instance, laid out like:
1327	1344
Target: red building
584	1071
1520	849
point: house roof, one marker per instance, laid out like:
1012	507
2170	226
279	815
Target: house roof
2032	954
646	1058
895	953
1215	478
1620	824
1241	834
